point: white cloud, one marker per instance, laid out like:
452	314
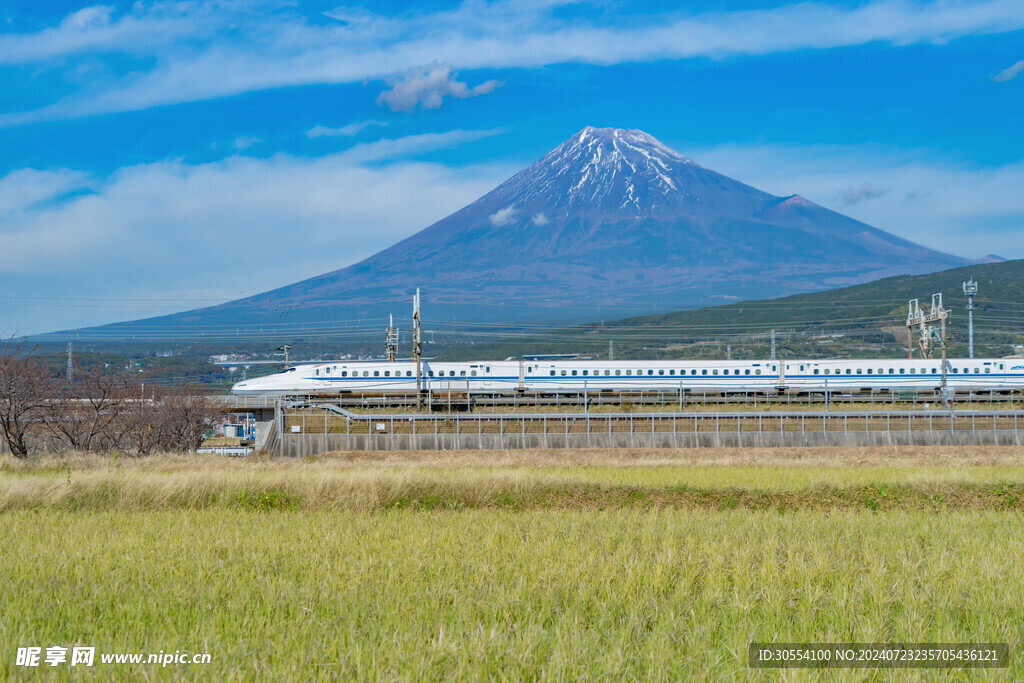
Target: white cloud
955	208
346	131
97	15
191	51
853	195
239	225
426	88
1009	73
503	216
22	189
246	141
540	219
142	30
391	148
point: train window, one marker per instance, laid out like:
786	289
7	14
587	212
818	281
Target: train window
618	372
574	373
376	373
801	367
747	371
462	374
366	373
703	372
859	371
387	373
936	370
552	373
607	372
757	372
890	371
440	373
344	373
848	371
318	372
408	373
987	370
725	372
881	371
488	368
1000	366
661	372
714	372
563	373
430	373
327	370
671	372
869	371
584	373
827	371
975	371
650	372
815	371
913	371
901	371
473	373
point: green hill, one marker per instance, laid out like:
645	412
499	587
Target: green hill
859	321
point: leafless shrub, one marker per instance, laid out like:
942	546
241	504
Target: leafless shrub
186	415
25	392
85	413
93	411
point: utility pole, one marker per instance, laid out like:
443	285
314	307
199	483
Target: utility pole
71	362
773	344
391	339
417	342
970	290
286	348
611	350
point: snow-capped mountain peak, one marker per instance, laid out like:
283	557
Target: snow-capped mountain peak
618	172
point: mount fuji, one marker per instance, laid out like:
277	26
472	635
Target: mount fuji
610	223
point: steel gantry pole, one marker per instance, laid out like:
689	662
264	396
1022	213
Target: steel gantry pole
417	344
970	291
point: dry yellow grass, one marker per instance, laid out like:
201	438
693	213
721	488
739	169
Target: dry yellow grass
894	478
880	456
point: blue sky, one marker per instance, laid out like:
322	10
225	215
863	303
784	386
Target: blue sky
159	156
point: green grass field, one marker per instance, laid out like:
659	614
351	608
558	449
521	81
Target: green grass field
510	566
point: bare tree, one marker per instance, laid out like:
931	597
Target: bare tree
186	415
25	393
165	420
140	429
95	411
85	413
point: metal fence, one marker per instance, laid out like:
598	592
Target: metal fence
343	430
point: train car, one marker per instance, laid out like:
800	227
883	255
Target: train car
574	376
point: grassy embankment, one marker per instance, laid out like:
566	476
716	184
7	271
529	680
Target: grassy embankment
613	564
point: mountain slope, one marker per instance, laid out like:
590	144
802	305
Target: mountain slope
610	222
864	320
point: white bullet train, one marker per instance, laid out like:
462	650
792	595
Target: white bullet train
573	376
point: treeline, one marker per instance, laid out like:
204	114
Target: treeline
94	410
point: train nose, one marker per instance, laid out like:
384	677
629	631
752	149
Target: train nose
241	386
